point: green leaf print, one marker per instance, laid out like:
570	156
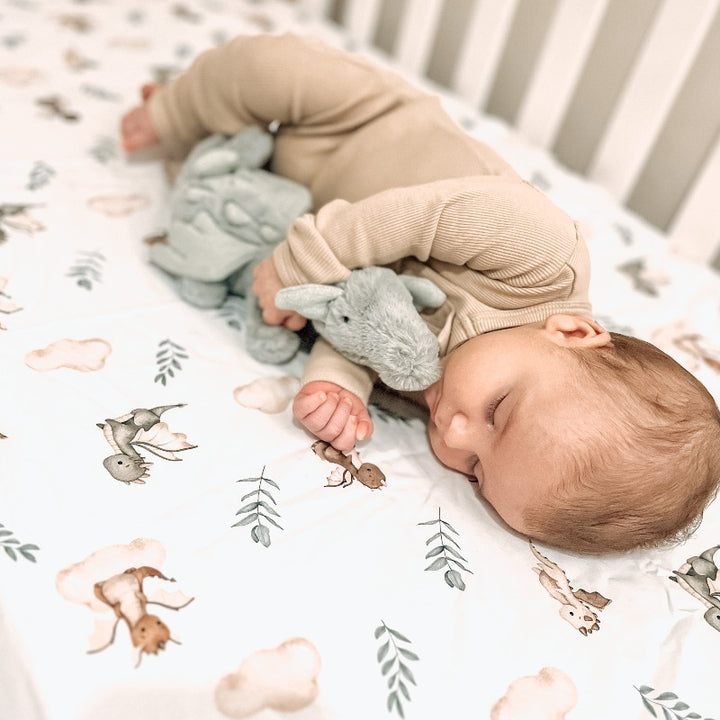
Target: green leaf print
259	510
668	703
13	548
395	669
168	359
446	553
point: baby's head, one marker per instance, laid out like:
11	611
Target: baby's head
586	440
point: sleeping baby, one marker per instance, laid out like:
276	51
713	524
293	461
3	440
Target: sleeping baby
581	438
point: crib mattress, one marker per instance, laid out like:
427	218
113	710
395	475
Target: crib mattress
283	589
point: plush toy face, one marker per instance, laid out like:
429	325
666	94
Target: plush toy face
372	319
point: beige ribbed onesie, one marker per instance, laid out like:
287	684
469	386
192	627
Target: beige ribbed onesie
394	182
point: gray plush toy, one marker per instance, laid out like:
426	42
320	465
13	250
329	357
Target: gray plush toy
227	214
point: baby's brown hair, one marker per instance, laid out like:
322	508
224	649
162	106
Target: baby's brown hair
647	478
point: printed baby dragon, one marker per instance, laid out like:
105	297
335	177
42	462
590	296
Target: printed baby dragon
574	603
17	217
7	305
124	594
141	428
368	474
699	577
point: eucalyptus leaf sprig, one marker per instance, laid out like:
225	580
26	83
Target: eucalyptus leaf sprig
393	657
668	703
258	509
40	175
168	359
446	552
12	546
88	268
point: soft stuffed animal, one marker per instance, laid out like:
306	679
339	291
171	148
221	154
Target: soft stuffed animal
227	214
372	318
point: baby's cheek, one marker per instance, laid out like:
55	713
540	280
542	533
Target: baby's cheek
436	444
430	395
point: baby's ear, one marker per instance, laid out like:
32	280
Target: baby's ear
576	331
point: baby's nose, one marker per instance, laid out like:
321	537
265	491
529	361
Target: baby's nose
458	433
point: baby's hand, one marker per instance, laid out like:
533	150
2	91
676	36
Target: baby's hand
136	130
333	414
266	283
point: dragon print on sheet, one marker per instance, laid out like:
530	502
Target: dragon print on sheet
105	581
140	428
17	217
124	594
367	474
695	349
575	604
698	576
56	107
7	305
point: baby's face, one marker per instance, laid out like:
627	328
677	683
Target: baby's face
498	413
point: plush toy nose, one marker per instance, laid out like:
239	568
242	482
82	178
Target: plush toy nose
410	367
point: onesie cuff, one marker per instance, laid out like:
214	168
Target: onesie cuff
325	363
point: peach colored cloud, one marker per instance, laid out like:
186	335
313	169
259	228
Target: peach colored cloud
118	205
282	679
20	76
83	355
268	394
549	695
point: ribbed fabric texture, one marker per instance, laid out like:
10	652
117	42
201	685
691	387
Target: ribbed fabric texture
394	181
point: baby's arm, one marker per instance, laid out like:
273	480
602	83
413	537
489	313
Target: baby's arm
327	409
332	404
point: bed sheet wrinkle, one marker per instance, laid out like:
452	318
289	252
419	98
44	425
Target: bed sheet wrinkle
415	582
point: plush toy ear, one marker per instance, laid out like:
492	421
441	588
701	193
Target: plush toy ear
425	293
311	301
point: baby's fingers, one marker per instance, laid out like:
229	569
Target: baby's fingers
345	441
329	419
305	405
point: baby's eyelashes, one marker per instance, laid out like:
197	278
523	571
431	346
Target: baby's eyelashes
494	405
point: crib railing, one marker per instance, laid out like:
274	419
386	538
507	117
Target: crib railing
626	93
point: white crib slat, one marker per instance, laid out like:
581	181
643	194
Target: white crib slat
695	229
482	48
316	9
574	26
661	69
360	19
417	34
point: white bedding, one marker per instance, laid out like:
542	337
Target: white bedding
341	606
